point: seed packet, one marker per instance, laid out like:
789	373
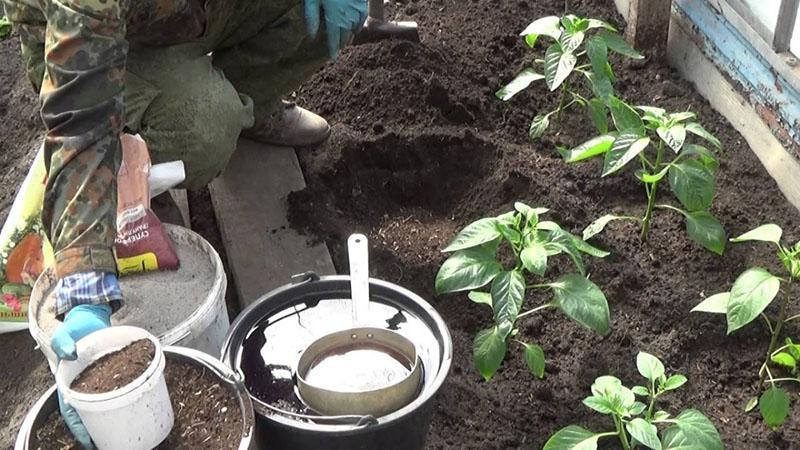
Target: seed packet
24	249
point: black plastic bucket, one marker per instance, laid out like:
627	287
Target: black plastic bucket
318	305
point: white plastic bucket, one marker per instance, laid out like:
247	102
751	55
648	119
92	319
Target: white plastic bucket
137	416
184	307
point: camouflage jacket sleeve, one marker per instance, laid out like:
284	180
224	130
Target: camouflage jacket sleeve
82	106
30	23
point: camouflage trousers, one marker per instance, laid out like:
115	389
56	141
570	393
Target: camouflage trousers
190	101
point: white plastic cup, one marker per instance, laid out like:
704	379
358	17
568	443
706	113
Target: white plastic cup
137	416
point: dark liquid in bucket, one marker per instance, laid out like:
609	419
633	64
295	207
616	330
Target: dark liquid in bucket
358	368
272	348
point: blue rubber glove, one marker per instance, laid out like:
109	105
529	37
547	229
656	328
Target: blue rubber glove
342	19
80	321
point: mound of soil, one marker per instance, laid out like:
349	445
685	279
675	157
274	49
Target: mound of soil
116	369
421	147
207	415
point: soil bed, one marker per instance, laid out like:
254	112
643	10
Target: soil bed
421	147
207	415
116	369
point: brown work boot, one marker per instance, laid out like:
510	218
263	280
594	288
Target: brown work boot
292	126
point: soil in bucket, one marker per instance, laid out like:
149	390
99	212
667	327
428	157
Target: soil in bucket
116	369
207	414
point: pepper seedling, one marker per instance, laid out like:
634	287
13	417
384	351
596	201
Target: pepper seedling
475	262
751	294
581	47
691	172
636	423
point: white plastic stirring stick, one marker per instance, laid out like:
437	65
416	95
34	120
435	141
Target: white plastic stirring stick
358	254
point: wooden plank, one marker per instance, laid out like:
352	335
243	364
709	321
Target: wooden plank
250	204
785	64
693	65
787	14
777	101
182	200
648	23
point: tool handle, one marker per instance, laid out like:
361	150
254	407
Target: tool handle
358	254
376	10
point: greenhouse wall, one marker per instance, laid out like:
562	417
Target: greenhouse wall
736	68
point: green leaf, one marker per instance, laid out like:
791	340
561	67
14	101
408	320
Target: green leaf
636	409
468	269
785	359
534	258
508	293
571	40
674	382
653	177
673	136
751	293
751	404
595	23
591	148
649	366
716	304
489	349
582	301
539	125
599	404
548	26
658	114
706	230
697	129
661	415
597	52
572	437
703	154
599	225
563	241
605	385
682	116
509	233
644	432
774	406
534	356
625	148
522	81
692	431
588	248
615	43
641	390
693	184
598	114
765	233
793	348
626	119
5	27
475	234
480	297
557	66
531	214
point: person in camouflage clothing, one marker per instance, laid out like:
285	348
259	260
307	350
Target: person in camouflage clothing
189	76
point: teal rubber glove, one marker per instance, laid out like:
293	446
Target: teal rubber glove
80	321
342	19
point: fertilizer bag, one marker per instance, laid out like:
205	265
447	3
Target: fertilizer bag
142	243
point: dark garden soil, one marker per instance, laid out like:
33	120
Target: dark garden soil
116	369
421	148
207	415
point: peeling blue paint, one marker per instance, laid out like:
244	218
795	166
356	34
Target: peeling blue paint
734	54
